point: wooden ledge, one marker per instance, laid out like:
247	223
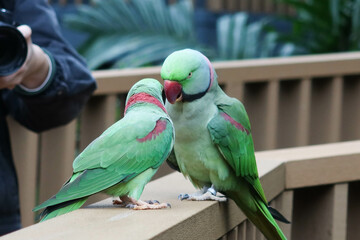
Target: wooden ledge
278	169
187	220
316	165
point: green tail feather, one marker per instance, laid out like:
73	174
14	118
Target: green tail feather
62	208
258	214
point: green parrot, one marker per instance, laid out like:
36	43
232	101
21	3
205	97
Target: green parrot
213	142
123	159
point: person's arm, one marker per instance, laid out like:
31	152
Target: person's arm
41	103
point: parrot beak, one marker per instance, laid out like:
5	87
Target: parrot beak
173	91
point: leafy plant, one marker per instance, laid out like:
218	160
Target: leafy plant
324	26
239	39
134	33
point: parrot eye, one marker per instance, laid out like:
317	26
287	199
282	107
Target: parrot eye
190	74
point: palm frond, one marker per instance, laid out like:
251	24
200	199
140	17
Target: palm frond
133	33
239	39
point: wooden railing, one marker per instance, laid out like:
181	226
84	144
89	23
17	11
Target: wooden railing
253	6
291	102
316	187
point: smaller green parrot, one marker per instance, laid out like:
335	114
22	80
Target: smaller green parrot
123	159
213	145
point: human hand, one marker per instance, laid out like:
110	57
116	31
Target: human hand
35	68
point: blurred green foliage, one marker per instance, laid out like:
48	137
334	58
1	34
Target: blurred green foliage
133	33
238	38
324	26
136	33
139	33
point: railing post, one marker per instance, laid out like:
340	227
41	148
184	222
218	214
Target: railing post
255	102
272	107
235	90
57	155
214	5
320	213
25	152
302	131
326	102
269	6
233	234
288	113
335	109
350	117
353	229
339	211
256	6
250	230
242	230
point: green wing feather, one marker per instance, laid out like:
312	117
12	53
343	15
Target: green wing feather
234	142
117	156
60	209
231	132
119	142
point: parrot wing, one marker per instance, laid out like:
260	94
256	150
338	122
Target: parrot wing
137	138
231	132
123	151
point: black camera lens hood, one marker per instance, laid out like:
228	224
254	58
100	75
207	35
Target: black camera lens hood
13	49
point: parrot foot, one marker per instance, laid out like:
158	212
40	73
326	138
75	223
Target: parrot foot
134	204
141	205
203	195
152	201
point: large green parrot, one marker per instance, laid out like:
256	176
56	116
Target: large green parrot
213	143
123	159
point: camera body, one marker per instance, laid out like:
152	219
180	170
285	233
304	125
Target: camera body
13	46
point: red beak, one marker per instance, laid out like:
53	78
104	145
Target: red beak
172	91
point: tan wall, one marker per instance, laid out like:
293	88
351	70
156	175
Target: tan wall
291	102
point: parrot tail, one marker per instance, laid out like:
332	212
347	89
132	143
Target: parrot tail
277	215
258	213
62	208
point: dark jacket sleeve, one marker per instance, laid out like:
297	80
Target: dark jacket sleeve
71	83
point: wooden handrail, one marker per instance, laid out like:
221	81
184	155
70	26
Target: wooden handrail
283	173
256	70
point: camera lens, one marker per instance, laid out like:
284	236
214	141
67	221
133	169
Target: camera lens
13	50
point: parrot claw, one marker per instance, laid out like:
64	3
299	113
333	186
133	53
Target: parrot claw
134	204
183	196
152	201
130	205
206	196
147	206
212	191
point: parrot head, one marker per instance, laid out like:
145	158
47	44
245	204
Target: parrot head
147	90
188	75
